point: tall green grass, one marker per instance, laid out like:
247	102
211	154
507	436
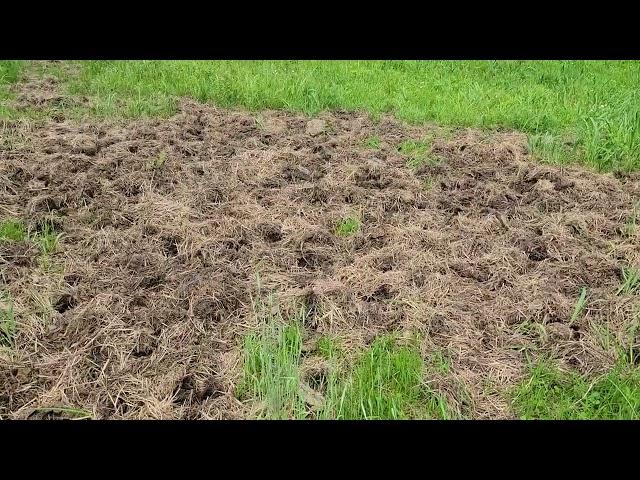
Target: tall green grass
9	73
550	393
573	110
386	381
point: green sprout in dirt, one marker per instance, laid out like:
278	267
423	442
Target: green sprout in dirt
631	226
158	162
348	226
47	240
373	142
630	281
550	393
12	230
428	184
417	153
7	320
580	305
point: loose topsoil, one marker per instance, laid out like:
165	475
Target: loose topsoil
169	228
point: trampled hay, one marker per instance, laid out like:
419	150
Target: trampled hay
164	225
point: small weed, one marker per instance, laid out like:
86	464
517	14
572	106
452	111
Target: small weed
373	142
580	304
159	162
348	226
47	240
630	281
12	230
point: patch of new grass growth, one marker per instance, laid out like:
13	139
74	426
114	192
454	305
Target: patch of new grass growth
417	151
630	281
348	226
580	305
47	240
7	320
385	383
550	393
157	163
12	230
373	142
550	148
271	367
440	363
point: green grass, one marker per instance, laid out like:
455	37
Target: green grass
417	152
550	393
383	382
580	306
372	142
9	73
587	111
327	348
7	320
630	281
47	239
271	366
13	230
347	226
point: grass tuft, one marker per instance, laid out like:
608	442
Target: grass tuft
12	230
417	153
630	281
373	142
271	365
580	306
348	226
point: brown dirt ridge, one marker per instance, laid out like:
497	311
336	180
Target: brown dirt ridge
170	227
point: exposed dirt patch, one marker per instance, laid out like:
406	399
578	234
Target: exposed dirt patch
167	223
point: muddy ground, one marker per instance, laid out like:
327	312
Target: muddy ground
170	227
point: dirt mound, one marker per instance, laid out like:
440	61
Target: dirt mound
171	227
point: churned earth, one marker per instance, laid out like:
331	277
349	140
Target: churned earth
168	230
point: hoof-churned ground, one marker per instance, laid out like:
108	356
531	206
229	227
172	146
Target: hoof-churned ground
137	258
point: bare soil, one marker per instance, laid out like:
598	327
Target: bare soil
170	227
